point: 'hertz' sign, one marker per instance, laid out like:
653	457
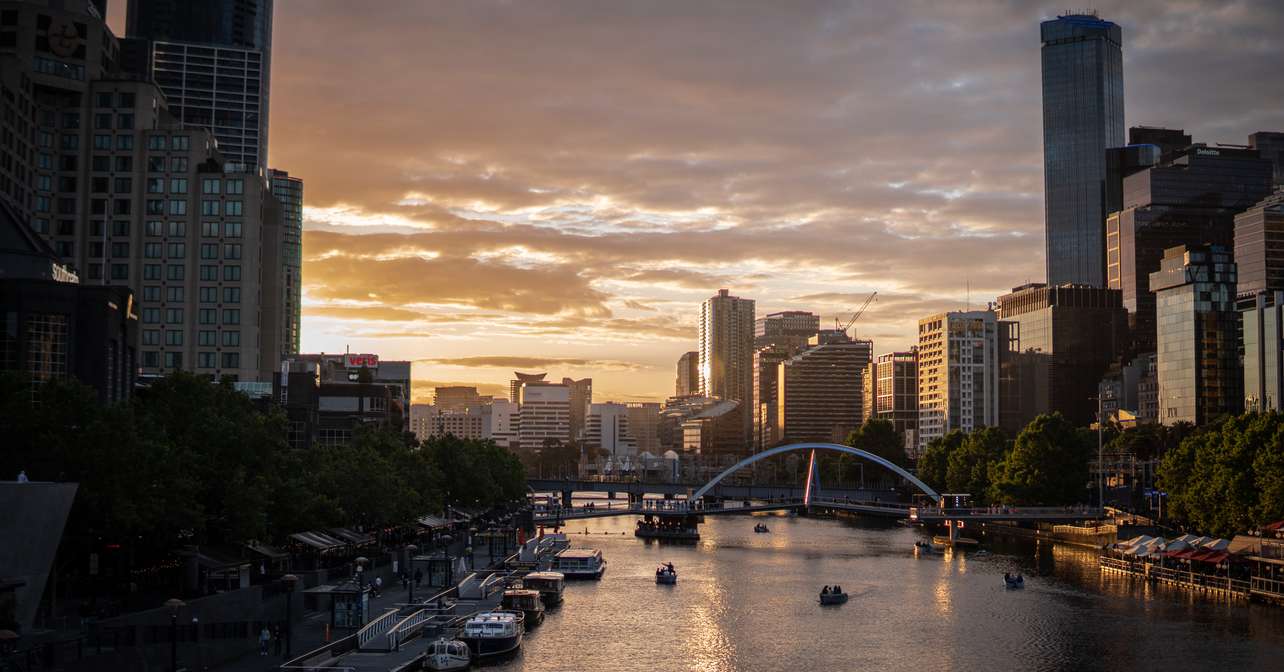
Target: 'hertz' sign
357	361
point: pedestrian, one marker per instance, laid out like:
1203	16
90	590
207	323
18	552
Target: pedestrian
264	638
276	639
419	576
22	476
378	586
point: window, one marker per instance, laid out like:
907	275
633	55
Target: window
175	271
178	229
97	185
209	251
65	248
101	164
206	338
71	142
151	337
151	272
156	142
120	271
179	143
235	186
120	250
232	251
102	141
209	230
67	162
209	295
154	228
98	206
151	358
122	206
176	250
177	207
151	250
232	338
173	316
231	295
210	185
178	185
95	271
151	316
120	228
125	121
209	207
156	164
173	360
207	316
123	185
232	208
71	120
124	142
151	293
205	360
232	229
231	360
178	164
104	100
232	272
126	100
155	206
125	164
44	161
173	337
231	316
102	122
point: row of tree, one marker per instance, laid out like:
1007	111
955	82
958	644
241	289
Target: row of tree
190	461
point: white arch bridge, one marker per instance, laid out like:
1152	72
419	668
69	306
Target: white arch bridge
701	503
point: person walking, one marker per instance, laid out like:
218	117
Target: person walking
276	639
264	638
22	476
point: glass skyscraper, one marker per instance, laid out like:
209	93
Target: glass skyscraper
1083	115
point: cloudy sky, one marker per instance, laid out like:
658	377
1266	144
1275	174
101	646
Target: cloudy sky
557	185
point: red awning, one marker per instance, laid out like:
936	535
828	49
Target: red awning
1276	526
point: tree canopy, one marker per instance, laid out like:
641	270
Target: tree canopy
1048	465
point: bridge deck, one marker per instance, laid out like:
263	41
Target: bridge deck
888	509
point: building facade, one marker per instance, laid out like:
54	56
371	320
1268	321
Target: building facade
644	423
455	398
289	193
894	376
1259	261
820	391
1083	115
1197	328
607	431
519	378
726	352
688	382
581	393
958	373
546	414
790	328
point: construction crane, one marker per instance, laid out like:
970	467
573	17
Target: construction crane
859	312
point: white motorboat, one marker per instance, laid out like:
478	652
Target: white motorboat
447	654
492	633
666	574
580	563
549	584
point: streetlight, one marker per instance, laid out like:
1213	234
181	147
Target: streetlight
173	604
290	581
361	585
411	549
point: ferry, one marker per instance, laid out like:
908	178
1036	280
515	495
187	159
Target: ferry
526	601
580	563
447	655
549	585
491	634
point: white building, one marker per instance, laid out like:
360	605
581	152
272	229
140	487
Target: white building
958	373
504	419
546	414
608	430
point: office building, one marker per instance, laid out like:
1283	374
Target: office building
327	400
127	197
716	429
820	389
1067	338
1259	260
455	398
519	378
1270	146
1147	146
1197	332
581	393
790	328
1083	115
1190	198
726	353
607	431
958	373
1259	246
894	379
766	366
545	414
289	193
688	382
505	422
353	368
213	60
644	423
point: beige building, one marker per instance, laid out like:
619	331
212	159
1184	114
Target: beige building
820	389
726	353
958	373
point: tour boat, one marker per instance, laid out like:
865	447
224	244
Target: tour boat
1013	581
447	654
760	528
666	574
834	596
549	585
492	633
580	563
526	601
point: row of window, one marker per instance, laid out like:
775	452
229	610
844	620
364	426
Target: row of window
231	273
152	293
205	338
204	316
109	99
179	250
204	360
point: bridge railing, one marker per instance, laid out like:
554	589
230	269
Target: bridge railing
375	629
1000	512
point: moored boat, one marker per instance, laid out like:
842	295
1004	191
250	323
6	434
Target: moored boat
549	584
666	574
491	634
526	601
446	655
580	563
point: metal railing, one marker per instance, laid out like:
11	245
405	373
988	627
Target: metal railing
1006	512
407	628
376	628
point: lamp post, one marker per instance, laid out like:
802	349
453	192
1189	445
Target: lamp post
361	585
173	604
411	549
290	581
1101	466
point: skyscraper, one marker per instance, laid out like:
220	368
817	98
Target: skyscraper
688	382
1083	115
777	337
1259	257
819	393
726	351
213	59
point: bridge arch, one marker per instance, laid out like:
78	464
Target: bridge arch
695	496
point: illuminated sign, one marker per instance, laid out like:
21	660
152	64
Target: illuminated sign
357	361
1207	152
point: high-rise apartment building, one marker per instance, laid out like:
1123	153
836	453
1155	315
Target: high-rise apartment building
958	373
1083	115
546	414
1189	198
1200	376
688	382
1065	339
820	389
789	328
581	398
894	376
213	60
289	193
726	352
128	197
1259	260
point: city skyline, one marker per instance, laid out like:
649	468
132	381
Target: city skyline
594	203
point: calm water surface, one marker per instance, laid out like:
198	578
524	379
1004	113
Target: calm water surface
747	601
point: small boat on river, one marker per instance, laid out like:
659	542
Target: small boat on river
580	563
492	634
1013	582
665	574
526	601
760	528
923	547
832	595
446	655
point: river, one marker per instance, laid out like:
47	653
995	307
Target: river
747	601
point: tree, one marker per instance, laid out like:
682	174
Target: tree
968	467
1048	464
879	436
933	462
